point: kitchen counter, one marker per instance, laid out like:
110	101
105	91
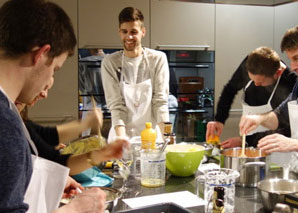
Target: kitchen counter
246	199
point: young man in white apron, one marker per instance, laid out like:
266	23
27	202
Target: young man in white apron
270	83
29	56
286	113
135	80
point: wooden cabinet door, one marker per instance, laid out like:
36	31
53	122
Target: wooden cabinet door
182	23
98	22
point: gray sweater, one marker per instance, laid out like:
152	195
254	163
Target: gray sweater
15	160
111	71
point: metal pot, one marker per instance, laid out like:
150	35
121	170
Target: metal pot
273	191
252	168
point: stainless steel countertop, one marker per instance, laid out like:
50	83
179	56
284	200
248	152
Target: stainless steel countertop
246	199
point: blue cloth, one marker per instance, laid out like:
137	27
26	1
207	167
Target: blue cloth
93	177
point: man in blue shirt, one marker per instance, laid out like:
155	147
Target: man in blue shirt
36	37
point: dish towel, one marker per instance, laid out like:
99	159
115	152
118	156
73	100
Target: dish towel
93	177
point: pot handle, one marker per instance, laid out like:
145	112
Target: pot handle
258	163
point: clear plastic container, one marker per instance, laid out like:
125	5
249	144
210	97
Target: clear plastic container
224	178
153	168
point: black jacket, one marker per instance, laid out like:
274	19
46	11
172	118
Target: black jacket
254	96
45	140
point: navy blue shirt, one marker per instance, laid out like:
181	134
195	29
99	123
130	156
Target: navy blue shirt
282	110
15	158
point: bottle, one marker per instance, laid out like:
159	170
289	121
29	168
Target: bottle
218	199
168	128
148	137
172	138
168	134
200	130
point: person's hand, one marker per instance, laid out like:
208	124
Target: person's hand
214	128
94	119
60	146
231	142
249	123
91	201
71	186
278	143
112	151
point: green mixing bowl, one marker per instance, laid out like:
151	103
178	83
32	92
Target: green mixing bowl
184	159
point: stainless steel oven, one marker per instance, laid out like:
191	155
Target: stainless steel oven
192	82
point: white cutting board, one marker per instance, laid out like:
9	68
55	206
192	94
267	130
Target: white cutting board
189	200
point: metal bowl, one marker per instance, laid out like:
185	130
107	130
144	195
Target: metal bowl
273	191
112	196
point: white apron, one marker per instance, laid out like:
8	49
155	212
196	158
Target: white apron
252	110
293	115
137	97
47	182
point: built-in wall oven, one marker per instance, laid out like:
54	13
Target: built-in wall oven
192	79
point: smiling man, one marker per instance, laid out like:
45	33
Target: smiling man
135	80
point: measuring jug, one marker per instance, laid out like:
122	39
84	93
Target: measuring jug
214	179
153	168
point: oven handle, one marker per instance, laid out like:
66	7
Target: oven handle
178	46
184	65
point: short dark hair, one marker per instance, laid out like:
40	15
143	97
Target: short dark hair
263	61
290	39
25	24
129	14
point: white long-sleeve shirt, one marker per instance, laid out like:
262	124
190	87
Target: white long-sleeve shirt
111	71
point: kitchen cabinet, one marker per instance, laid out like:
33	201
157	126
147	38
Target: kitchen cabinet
62	102
98	22
182	23
285	17
239	30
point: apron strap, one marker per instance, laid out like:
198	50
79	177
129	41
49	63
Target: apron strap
145	58
274	89
247	85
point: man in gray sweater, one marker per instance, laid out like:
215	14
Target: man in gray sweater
135	80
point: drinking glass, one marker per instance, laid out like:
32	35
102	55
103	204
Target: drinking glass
124	167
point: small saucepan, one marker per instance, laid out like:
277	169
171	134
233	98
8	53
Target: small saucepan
252	168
